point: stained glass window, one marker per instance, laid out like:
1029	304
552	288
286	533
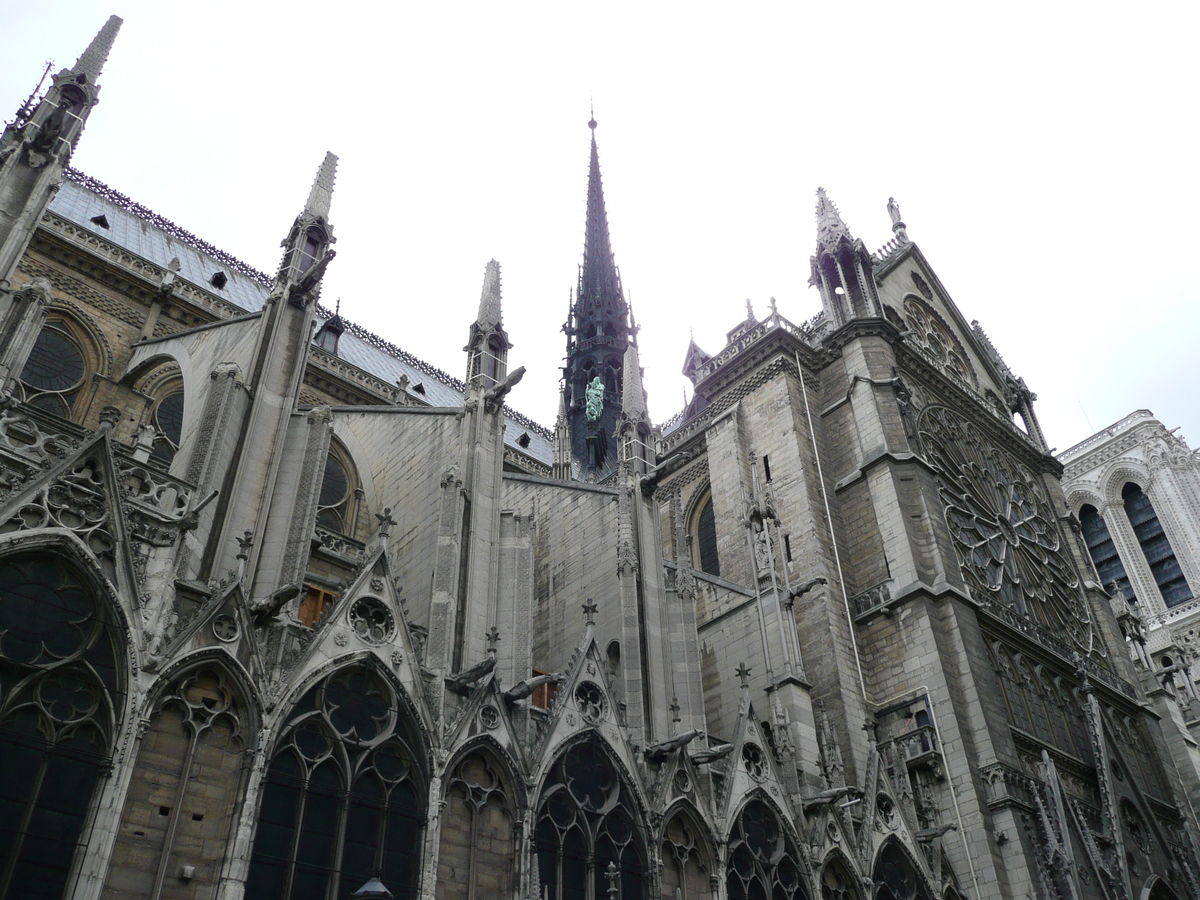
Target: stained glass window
585	823
168	420
344	766
762	861
54	371
60	695
335	490
706	539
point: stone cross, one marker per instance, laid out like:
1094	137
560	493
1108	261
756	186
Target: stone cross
385	521
589	610
743	672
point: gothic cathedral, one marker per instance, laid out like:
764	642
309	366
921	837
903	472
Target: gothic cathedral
286	612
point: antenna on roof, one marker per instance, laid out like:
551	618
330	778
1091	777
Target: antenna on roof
30	104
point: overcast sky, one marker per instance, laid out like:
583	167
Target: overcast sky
1043	155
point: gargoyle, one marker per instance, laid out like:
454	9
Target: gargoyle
267	610
658	752
803	589
529	685
311	278
464	680
494	396
710	754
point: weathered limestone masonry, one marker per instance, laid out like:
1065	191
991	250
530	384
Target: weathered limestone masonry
287	612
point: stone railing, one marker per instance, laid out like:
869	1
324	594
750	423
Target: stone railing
340	545
873	600
748	339
919	746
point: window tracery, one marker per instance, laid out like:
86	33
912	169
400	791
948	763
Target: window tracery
476	855
896	876
931	336
342	800
338	484
1004	528
763	861
168	422
60	700
837	882
185	785
55	370
686	867
587	820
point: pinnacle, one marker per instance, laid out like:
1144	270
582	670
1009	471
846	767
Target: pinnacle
489	300
633	398
322	189
830	227
93	58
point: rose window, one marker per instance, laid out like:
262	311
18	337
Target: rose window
371	620
756	763
1003	527
591	702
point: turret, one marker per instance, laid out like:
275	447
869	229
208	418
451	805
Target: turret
842	268
488	344
598	333
37	145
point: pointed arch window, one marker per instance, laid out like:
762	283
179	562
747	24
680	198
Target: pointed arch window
1104	552
61	701
475	861
181	799
336	502
763	861
896	876
587	821
343	797
704	536
838	882
55	370
1155	545
686	868
168	422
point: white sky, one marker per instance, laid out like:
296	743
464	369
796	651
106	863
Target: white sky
1043	154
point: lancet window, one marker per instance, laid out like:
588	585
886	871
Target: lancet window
181	798
1155	545
1104	552
336	505
685	861
838	882
704	534
343	797
587	834
56	369
763	861
60	700
476	856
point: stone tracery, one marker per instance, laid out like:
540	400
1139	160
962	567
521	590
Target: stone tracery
1003	527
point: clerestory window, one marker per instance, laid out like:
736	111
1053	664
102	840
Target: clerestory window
168	421
1104	552
55	370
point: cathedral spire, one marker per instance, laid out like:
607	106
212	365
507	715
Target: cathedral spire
92	60
598	333
599	283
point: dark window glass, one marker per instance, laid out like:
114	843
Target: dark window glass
1104	552
53	372
168	419
346	724
762	862
897	877
56	680
335	489
308	255
586	813
55	363
1167	574
706	539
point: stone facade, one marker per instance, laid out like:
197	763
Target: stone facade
283	609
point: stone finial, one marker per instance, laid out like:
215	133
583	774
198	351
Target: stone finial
489	300
589	611
743	673
322	189
93	58
385	522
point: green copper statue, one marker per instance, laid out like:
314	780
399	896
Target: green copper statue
595	399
